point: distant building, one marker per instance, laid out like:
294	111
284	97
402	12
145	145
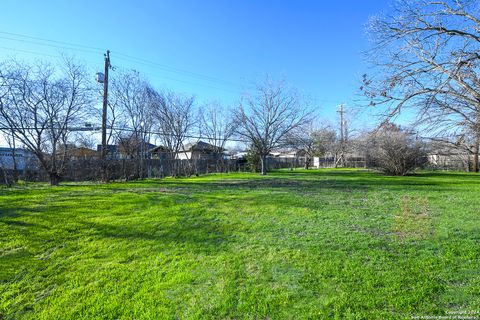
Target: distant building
133	146
288	154
238	155
200	151
80	153
160	152
449	156
23	159
112	151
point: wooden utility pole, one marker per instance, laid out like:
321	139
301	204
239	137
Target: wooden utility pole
341	159
104	117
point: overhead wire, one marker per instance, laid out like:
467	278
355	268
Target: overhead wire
49	40
122	56
155	76
152	132
49	45
172	69
30	52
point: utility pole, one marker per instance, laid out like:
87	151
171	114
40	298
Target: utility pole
104	116
343	123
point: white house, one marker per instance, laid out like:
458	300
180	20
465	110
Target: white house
200	151
21	157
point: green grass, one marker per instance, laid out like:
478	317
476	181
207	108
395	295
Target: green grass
318	244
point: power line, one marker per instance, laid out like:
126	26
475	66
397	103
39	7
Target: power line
49	45
173	70
155	76
185	136
40	54
30	52
125	57
52	41
131	130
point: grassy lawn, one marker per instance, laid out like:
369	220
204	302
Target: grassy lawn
318	244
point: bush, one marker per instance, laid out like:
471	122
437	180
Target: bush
395	151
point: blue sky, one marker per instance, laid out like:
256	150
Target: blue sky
213	49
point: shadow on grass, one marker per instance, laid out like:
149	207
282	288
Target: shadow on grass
194	230
317	180
17	223
337	179
198	233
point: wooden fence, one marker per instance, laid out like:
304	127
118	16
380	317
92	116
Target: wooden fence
130	169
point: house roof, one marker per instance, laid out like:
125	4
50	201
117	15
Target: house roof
135	142
287	153
111	148
159	149
445	148
201	146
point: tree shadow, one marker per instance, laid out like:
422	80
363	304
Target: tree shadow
193	230
17	223
196	232
305	185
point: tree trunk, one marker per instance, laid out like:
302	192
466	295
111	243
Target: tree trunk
14	159
54	179
263	162
104	170
307	162
475	154
4	173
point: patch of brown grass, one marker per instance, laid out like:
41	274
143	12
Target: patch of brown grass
414	219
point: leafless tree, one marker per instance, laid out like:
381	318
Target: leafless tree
305	139
85	141
217	124
173	120
427	54
131	111
323	141
39	105
396	151
326	142
268	116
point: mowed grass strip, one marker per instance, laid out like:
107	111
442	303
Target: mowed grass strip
317	244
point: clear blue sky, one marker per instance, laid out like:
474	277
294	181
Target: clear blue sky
213	49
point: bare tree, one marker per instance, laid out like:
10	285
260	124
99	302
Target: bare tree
218	125
396	151
39	105
427	54
266	118
327	142
304	139
85	141
319	141
173	121
132	110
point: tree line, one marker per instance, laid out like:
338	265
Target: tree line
44	107
425	62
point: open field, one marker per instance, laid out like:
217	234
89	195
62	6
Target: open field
319	244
